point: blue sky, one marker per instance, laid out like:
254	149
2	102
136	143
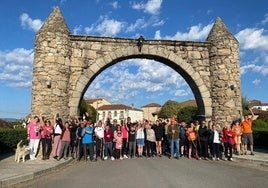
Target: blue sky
136	82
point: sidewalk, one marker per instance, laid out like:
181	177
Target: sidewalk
260	157
12	173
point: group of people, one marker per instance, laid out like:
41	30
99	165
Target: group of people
115	140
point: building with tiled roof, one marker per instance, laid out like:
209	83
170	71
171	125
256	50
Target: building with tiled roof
97	102
150	111
258	105
119	112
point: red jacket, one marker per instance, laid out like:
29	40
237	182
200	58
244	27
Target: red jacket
228	136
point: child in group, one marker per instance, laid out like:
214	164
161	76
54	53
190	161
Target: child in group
118	138
228	141
237	129
216	142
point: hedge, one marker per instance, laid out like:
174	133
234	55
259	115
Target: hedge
10	137
260	138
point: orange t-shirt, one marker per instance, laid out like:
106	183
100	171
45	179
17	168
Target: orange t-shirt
246	125
237	129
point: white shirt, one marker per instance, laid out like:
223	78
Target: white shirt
99	131
140	134
216	138
57	129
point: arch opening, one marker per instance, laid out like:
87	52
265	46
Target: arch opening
180	71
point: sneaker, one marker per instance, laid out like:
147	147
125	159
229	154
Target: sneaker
213	158
125	157
225	159
105	158
231	159
252	153
112	158
218	159
121	158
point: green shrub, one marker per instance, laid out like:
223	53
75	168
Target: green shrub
259	125
10	137
260	133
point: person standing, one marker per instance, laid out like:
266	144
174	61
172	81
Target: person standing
99	135
58	126
124	130
65	141
215	142
132	141
87	140
191	134
174	142
159	132
203	138
183	143
228	141
140	138
108	142
34	136
118	139
150	140
247	132
47	131
238	132
79	137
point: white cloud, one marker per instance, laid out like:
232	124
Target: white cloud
29	23
256	82
137	6
180	92
140	23
252	38
115	4
262	69
157	35
132	77
77	30
106	27
152	6
196	32
16	67
265	20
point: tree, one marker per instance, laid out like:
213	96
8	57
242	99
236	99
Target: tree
85	107
169	109
187	114
245	105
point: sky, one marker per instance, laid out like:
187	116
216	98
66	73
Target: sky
134	82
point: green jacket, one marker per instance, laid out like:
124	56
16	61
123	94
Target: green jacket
174	135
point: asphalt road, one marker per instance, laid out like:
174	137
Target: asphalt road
157	172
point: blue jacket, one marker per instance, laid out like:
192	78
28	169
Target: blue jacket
88	135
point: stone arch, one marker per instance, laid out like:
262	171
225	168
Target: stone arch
169	58
69	63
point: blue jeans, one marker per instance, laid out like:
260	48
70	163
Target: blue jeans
108	149
174	145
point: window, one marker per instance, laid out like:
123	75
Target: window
121	115
115	113
103	114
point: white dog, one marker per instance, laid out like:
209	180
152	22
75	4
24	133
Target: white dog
21	152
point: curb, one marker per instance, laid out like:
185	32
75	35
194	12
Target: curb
12	181
253	161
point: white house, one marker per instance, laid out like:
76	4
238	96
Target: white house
255	104
119	112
